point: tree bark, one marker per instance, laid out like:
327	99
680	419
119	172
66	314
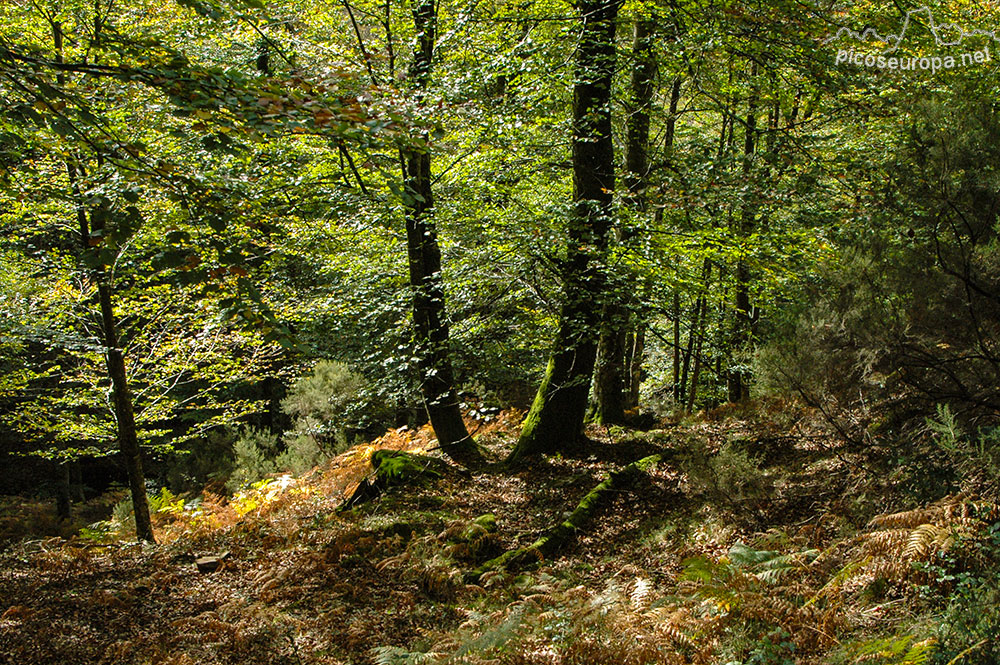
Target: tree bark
424	254
128	441
633	365
556	417
614	375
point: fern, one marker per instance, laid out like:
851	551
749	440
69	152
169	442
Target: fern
399	656
494	637
641	593
895	650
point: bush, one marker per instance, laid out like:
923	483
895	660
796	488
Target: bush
971	621
975	458
331	408
255	452
731	477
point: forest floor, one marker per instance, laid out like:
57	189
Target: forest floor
758	541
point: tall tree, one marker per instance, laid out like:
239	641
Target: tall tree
556	417
430	320
620	343
92	233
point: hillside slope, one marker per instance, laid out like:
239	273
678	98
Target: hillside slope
754	543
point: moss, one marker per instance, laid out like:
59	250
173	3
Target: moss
487	521
394	467
554	539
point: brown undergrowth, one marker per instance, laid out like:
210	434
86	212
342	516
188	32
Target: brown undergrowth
789	561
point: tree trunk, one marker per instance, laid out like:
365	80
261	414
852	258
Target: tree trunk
739	378
609	380
633	365
429	315
677	348
128	441
63	491
556	417
612	384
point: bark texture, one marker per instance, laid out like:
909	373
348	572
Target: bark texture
556	417
424	254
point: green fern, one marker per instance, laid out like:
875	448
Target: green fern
895	650
390	655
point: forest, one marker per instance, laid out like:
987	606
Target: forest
499	332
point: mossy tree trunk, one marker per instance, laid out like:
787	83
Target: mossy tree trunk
424	253
556	417
549	543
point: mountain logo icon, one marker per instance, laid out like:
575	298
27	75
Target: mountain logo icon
945	35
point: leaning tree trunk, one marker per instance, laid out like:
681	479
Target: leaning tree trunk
124	416
613	373
556	417
128	440
429	316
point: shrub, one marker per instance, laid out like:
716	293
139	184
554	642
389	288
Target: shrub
975	458
330	408
255	452
731	477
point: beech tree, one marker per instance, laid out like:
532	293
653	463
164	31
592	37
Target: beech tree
556	417
429	314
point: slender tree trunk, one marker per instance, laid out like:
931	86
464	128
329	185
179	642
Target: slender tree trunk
695	339
128	441
612	386
63	491
677	348
634	374
555	420
76	481
429	315
739	378
127	435
699	339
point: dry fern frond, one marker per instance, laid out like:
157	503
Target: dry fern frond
926	539
948	511
641	593
673	624
904	520
889	542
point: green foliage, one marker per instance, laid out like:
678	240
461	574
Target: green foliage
389	655
122	520
975	457
330	408
968	627
896	650
254	456
774	648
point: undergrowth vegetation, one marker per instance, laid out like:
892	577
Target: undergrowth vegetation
744	546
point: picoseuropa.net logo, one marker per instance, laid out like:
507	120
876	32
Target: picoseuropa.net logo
946	35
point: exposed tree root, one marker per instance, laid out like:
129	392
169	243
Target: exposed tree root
555	538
